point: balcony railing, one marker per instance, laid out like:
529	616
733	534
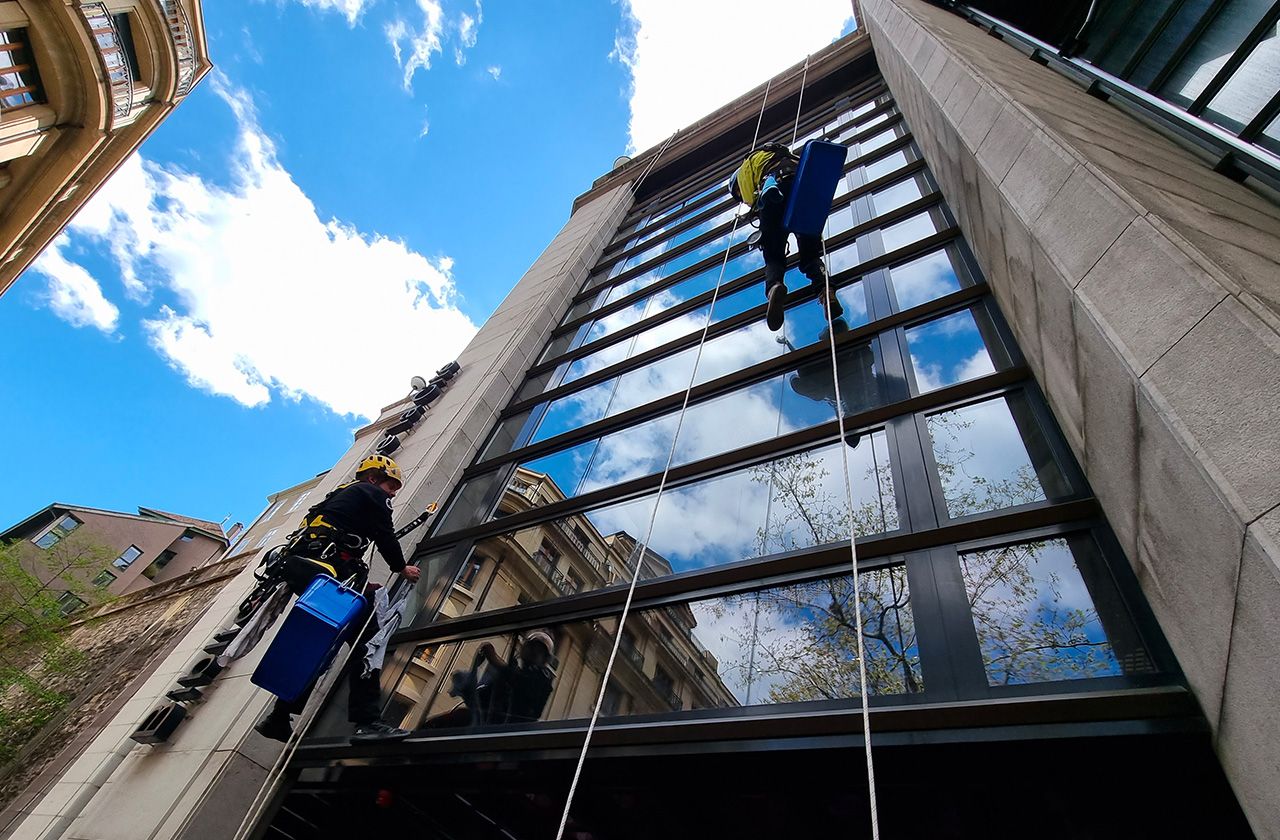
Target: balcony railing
180	33
563	584
112	57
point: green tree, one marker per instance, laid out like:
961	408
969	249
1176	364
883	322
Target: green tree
37	664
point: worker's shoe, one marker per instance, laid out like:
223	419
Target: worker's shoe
773	313
378	731
277	727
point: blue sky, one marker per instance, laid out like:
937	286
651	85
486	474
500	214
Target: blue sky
355	188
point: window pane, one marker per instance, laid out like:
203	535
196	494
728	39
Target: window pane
896	195
49	540
924	279
993	455
576	410
798	643
505	436
880	167
948	350
912	229
1038	619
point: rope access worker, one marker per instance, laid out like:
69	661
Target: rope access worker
763	182
332	540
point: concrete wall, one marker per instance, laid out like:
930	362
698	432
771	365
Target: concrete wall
199	785
1144	289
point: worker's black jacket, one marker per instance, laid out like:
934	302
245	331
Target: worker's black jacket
363	510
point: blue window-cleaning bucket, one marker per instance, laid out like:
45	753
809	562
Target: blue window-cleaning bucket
821	167
312	631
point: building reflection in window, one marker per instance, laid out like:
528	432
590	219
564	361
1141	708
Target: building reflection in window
790	644
1037	620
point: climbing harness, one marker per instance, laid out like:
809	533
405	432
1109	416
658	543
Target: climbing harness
644	544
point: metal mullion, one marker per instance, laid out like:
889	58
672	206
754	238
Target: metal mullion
964	650
941	238
1197	31
764	450
750	574
1237	59
1262	120
1162	24
700	206
960	299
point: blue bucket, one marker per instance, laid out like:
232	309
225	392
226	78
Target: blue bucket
819	173
311	633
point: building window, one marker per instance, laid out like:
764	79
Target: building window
469	574
54	535
158	564
104	578
126	558
271	511
69	602
187	536
124	31
298	503
19	82
266	538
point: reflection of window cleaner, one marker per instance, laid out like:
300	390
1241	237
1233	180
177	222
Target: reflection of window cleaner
332	540
763	182
513	691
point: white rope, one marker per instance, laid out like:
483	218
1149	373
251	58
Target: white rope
653	516
853	551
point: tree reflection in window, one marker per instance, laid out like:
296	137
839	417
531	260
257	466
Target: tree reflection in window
798	643
1035	618
993	455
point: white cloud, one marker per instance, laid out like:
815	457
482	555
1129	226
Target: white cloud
421	43
269	296
722	44
73	294
426	124
468	32
350	9
495	71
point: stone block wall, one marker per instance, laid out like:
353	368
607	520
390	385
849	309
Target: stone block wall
1144	289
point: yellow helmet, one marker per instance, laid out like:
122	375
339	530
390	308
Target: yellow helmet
381	463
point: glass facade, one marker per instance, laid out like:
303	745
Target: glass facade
666	435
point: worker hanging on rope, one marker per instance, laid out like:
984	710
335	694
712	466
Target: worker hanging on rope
763	182
332	541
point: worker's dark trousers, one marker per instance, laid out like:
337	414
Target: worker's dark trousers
363	696
773	243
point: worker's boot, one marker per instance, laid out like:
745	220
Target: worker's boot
776	291
378	730
277	725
